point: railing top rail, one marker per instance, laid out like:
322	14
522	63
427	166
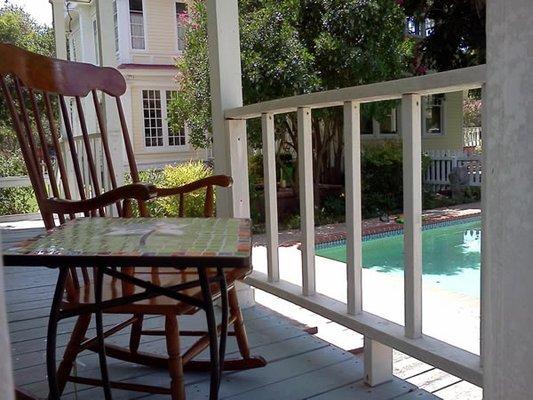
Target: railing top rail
94	135
441	82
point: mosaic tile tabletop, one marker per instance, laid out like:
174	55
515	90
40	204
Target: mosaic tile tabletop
143	237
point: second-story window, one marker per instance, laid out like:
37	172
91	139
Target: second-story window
115	23
137	25
96	41
181	17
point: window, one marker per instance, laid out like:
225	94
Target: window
372	127
153	119
137	25
388	125
415	27
175	137
96	43
367	125
433	115
419	28
181	15
115	23
157	131
74	46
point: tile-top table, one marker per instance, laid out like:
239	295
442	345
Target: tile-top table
107	243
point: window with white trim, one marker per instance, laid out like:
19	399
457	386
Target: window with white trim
153	118
433	114
96	41
419	27
157	131
115	23
137	25
371	127
181	15
389	124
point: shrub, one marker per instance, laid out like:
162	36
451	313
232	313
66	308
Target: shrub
15	200
180	175
382	177
172	176
155	177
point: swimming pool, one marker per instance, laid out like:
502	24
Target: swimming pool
451	256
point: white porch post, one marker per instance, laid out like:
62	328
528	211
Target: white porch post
58	12
508	220
230	148
6	370
378	363
108	58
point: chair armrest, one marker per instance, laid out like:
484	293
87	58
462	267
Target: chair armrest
215	180
137	191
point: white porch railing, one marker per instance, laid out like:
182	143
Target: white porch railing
472	137
98	154
444	161
406	338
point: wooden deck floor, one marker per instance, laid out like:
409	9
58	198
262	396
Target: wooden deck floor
301	366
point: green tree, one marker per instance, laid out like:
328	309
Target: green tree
17	27
292	47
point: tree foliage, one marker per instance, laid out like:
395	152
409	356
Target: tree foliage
19	28
291	47
458	37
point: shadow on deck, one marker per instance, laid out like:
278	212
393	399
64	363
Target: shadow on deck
301	366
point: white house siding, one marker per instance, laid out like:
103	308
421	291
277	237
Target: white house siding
152	79
148	69
160	33
452	137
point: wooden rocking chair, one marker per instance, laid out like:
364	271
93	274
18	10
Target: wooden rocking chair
32	86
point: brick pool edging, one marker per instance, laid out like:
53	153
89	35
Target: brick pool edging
389	228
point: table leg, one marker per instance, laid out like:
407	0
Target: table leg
99	275
225	316
52	334
213	334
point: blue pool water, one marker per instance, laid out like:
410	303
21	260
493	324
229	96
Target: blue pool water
451	256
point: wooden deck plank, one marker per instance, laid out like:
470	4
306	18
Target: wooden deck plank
361	391
34	376
308	384
234	384
300	365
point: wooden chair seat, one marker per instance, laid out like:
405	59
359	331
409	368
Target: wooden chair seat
114	288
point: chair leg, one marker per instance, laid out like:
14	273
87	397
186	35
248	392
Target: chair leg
175	366
135	336
72	350
238	325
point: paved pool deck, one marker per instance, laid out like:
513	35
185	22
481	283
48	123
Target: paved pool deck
448	316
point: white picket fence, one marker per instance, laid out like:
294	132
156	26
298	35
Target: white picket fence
444	161
472	137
